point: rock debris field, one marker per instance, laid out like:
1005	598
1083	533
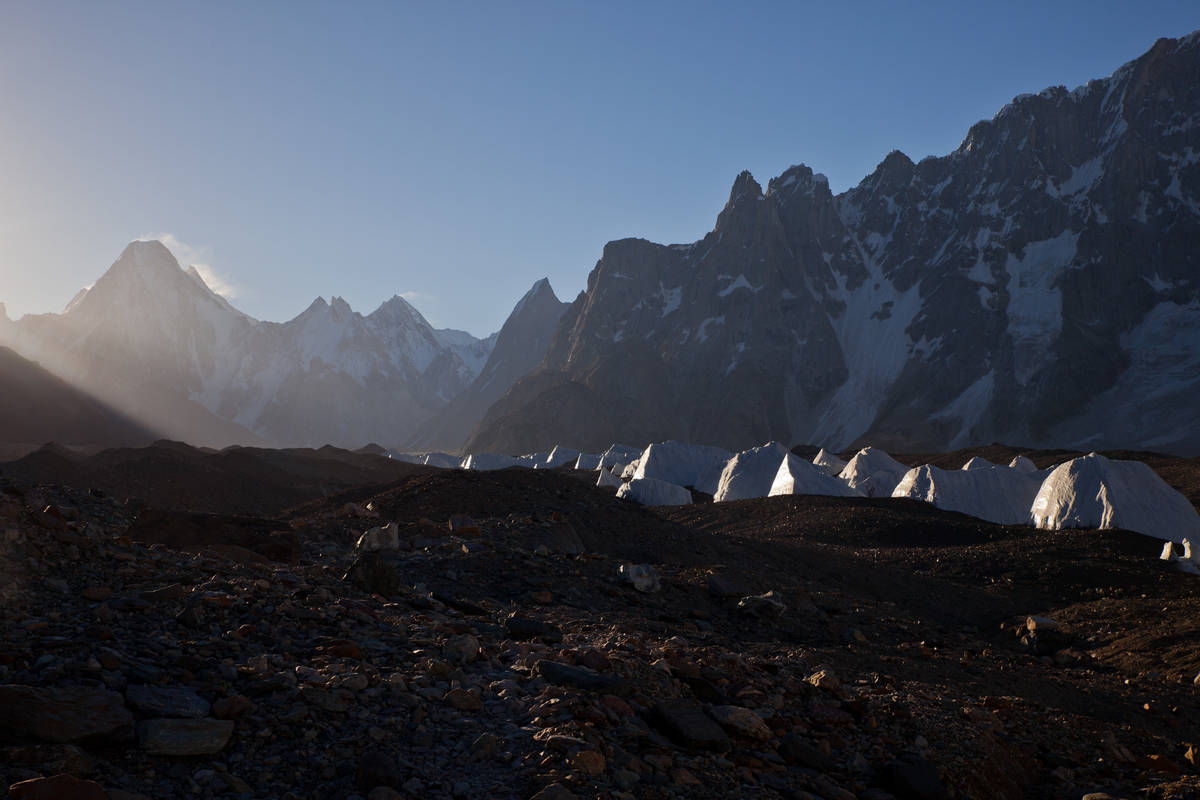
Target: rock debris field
321	624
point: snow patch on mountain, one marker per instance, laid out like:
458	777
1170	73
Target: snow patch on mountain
872	332
739	282
968	407
1035	301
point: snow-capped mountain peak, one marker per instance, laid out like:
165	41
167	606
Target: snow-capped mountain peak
150	336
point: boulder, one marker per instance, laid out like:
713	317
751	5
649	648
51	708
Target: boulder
62	714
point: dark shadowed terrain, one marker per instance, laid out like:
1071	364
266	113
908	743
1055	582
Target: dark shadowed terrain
180	622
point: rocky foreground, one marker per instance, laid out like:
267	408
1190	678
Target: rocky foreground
523	634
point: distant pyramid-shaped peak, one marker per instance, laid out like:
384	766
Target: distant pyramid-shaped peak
539	294
145	255
395	306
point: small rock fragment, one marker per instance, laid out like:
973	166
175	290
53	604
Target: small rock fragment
382	537
589	762
463	525
643	577
825	679
686	723
742	721
464	699
184	737
232	707
581	678
763	606
1036	623
461	649
166	701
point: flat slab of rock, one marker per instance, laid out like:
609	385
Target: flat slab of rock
62	715
167	701
581	678
184	737
686	722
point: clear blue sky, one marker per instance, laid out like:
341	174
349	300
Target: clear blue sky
457	152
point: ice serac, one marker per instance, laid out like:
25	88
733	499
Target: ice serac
519	348
873	473
692	465
1022	463
486	462
1098	492
587	461
608	479
797	476
155	342
1002	495
654	492
559	457
937	304
618	455
830	462
750	473
977	462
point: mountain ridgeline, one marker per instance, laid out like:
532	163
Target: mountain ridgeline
154	342
1039	285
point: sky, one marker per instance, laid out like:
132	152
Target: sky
455	153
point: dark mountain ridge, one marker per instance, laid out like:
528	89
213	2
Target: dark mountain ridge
1038	285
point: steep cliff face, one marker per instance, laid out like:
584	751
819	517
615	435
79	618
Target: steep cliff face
1038	284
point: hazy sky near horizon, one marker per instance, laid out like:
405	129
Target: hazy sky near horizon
455	152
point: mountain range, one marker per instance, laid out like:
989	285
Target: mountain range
153	341
1038	285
